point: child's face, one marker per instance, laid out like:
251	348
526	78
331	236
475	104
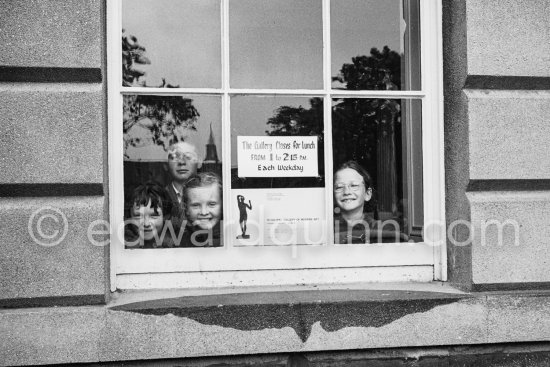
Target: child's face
148	221
204	206
349	190
182	161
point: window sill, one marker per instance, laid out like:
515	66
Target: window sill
298	307
273	320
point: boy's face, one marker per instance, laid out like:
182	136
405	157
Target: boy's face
204	206
148	220
182	161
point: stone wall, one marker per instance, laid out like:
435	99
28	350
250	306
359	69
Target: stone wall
497	102
52	102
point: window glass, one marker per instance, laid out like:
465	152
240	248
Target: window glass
276	44
171	43
277	170
172	171
375	44
286	117
275	114
376	144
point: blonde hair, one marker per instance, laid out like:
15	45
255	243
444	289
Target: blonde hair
203	179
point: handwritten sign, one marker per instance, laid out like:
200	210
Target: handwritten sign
277	156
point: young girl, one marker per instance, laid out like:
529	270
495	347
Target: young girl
203	208
148	210
352	189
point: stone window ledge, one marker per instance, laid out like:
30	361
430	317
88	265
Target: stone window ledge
299	307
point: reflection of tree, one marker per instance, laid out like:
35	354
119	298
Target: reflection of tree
298	121
292	121
132	53
169	118
363	129
379	71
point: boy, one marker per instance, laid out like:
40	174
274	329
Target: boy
203	209
148	210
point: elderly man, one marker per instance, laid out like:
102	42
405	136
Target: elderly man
182	164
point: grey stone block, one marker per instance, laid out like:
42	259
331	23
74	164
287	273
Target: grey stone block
50	335
134	336
518	318
51	133
509	133
456	136
51	33
130	335
508	37
71	268
515	244
463	322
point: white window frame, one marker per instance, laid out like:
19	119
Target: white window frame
232	266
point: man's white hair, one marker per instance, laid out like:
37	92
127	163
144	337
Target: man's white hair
184	146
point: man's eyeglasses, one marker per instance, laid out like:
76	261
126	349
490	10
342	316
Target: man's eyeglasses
352	186
180	156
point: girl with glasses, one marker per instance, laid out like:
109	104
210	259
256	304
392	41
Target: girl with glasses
352	190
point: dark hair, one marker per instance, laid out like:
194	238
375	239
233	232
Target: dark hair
149	191
367	180
202	179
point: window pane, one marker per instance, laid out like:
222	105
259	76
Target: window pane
276	44
177	43
271	117
377	151
171	162
277	171
375	44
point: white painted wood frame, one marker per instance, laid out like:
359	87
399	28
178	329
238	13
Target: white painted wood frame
263	265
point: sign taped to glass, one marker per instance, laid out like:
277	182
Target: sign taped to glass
277	156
